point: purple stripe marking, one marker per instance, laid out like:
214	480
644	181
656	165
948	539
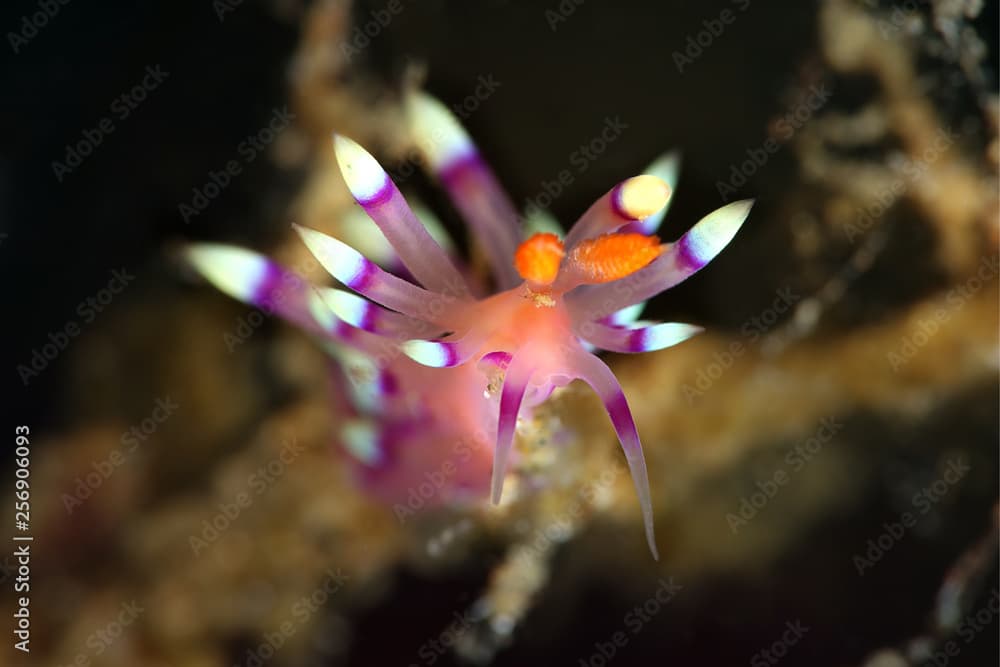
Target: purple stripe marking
459	167
264	291
368	318
453	358
383	195
686	257
616	204
365	277
344	331
391	438
636	340
387	383
499	358
621	417
635	227
385	456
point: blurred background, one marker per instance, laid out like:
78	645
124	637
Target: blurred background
823	460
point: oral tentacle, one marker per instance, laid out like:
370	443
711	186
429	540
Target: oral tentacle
596	373
515	383
375	192
471	185
630	201
678	262
365	277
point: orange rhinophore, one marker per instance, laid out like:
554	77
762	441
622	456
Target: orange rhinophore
612	256
537	258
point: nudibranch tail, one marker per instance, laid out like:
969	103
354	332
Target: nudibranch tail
471	185
375	192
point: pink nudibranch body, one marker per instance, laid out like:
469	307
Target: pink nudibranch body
451	369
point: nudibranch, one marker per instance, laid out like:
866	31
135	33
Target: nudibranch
451	364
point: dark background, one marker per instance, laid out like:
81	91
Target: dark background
119	209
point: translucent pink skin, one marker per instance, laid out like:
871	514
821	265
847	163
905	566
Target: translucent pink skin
445	415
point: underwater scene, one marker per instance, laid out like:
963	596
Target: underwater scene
495	332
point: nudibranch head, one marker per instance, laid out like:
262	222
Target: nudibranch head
450	370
